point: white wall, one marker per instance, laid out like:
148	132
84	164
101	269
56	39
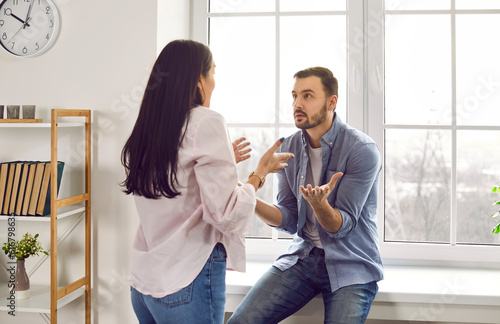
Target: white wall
173	21
100	61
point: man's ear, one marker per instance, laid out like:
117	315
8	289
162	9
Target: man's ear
332	102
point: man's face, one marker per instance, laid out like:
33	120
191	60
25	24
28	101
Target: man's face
310	104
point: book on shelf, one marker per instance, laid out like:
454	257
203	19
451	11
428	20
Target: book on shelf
4	171
25	187
37	183
43	207
29	188
22	187
8	188
15	185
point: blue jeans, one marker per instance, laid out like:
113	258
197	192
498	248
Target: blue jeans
279	294
201	302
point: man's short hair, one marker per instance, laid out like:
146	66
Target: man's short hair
330	83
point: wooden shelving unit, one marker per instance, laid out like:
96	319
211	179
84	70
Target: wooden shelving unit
46	300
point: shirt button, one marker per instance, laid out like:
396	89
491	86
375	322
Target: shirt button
305	154
302	177
298	200
331	143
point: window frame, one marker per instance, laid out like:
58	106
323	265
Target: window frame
365	102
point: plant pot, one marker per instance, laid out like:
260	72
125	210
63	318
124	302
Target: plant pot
22	287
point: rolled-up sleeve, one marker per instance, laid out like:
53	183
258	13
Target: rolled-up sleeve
362	169
287	204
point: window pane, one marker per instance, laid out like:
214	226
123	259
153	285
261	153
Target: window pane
477	4
261	140
241	6
478	70
477	172
417	5
244	52
312	5
417	185
315	45
418	69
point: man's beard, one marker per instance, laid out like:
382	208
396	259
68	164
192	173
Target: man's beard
314	120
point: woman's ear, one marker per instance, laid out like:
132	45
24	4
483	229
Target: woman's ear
201	89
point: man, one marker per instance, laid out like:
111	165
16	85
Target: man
328	197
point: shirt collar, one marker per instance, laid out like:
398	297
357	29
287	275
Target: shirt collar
329	137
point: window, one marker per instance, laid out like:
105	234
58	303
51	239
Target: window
440	122
258	46
420	77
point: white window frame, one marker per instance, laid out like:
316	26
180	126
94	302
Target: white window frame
482	256
365	102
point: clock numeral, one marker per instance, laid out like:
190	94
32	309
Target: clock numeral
37	47
51	23
1	23
47	10
4	36
7	12
15	2
47	37
25	50
13	44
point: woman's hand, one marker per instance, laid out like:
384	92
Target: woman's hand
241	153
271	161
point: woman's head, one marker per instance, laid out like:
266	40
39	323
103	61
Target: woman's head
181	79
179	68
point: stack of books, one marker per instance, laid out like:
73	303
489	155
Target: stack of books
25	187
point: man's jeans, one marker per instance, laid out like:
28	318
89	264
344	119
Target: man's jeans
278	294
202	302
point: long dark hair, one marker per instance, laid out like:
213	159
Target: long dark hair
151	152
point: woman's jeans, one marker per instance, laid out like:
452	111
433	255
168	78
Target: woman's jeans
201	302
279	294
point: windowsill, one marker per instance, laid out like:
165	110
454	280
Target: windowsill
407	293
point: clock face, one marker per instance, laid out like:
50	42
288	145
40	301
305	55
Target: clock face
28	27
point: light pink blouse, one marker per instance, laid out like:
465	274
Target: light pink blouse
176	236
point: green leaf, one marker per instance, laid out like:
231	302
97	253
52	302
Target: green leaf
496	229
495	189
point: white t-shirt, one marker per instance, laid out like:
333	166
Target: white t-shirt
313	178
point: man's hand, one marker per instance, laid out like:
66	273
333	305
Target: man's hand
272	162
328	217
317	196
241	153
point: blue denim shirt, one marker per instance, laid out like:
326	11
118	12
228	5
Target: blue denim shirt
351	254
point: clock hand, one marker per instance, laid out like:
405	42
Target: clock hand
22	27
28	14
10	13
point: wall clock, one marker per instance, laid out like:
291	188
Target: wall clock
28	27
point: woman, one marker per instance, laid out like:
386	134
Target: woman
181	169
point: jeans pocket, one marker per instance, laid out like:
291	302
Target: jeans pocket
182	297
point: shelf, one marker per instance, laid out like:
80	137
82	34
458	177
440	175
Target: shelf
39	302
60	215
43	300
40	125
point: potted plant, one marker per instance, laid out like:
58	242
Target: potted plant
496	229
20	250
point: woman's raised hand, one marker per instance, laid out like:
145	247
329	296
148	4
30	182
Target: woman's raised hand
241	152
